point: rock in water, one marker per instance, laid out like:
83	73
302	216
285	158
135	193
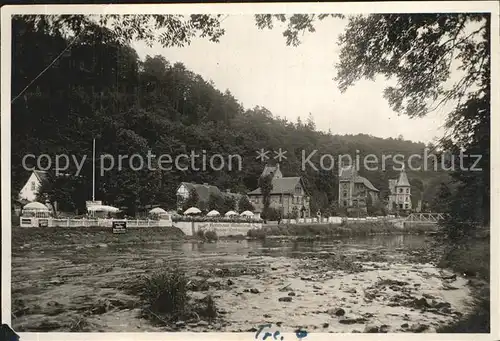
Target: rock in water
202	323
384	328
421	303
448	275
285	299
371	329
347	320
337	312
419	328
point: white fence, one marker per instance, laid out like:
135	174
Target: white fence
332	220
54	222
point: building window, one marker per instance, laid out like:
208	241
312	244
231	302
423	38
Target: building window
400	190
33	186
407	199
407	190
345	194
298	190
406	206
345	203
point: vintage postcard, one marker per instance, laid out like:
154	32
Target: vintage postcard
283	171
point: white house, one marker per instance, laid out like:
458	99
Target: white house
31	187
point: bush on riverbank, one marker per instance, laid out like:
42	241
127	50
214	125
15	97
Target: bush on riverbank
334	230
476	322
208	236
165	292
471	257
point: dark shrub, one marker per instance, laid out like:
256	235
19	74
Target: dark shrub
200	234
211	236
165	291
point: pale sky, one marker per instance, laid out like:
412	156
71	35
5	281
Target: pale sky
259	69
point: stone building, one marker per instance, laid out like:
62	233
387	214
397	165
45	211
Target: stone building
400	192
355	190
288	195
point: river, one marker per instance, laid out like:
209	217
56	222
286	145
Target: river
363	284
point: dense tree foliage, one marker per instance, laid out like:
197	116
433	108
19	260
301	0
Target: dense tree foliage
193	200
99	88
266	188
245	205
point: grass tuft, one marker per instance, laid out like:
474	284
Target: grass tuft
165	292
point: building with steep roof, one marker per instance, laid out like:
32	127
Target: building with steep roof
400	192
288	195
204	192
30	189
355	190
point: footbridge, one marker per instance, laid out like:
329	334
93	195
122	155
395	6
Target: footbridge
427	218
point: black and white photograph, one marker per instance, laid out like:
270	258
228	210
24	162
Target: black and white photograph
283	171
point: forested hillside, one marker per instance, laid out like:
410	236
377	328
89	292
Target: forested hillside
101	89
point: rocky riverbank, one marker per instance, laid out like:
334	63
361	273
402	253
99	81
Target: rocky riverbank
336	286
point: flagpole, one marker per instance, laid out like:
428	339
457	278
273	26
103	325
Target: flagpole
93	171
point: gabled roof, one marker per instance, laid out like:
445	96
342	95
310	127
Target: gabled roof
350	174
347	173
282	186
268	170
403	180
203	191
366	182
42	176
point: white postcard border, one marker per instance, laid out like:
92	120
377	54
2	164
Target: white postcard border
249	8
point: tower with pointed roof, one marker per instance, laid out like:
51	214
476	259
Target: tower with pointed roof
400	192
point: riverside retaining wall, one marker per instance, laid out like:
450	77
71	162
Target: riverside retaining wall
223	229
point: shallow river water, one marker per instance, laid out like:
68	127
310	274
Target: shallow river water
346	285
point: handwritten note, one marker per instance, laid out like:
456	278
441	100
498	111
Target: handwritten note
273	334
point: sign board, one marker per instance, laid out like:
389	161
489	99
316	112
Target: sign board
119	226
43	223
92	203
